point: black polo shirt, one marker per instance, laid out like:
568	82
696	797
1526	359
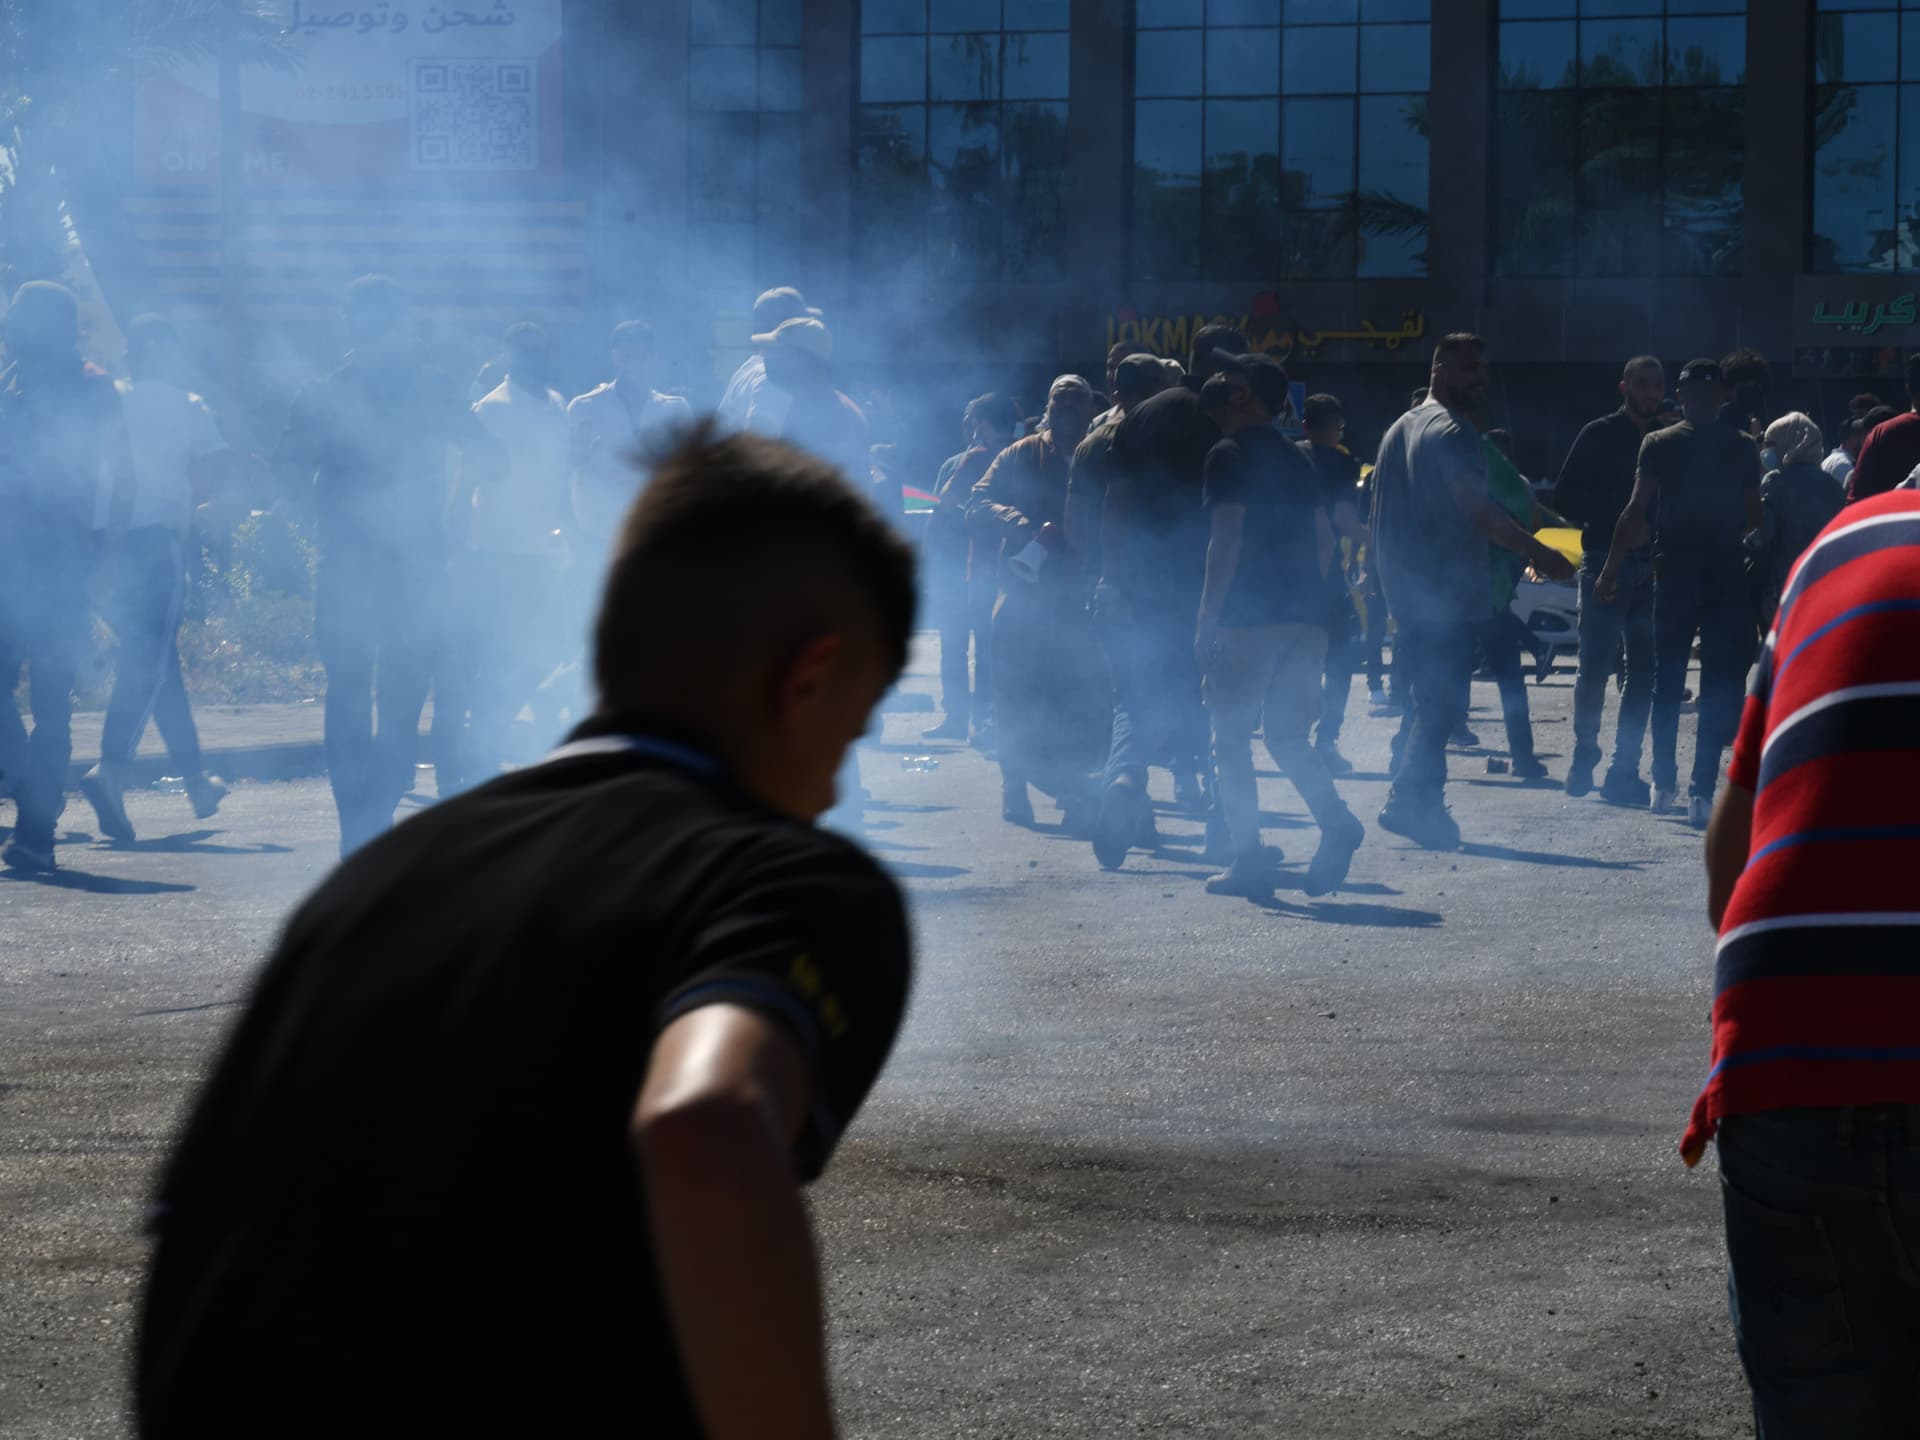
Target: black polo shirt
1705	475
1597	479
1155	463
406	1200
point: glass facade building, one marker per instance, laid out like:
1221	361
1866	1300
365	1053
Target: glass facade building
1278	138
1865	71
1620	137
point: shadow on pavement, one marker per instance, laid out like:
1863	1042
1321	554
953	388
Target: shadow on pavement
193	842
1330	912
1544	857
916	870
95	884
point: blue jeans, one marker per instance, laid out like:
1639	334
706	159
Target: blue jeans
1500	640
1823	1244
1702	591
1603	626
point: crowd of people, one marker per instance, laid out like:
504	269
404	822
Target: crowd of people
1146	575
460	534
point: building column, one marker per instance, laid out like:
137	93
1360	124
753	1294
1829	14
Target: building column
830	61
1776	182
1460	163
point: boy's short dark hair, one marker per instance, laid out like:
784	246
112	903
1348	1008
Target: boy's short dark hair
738	547
1267	379
1746	369
1913	374
1000	411
1863	402
1321	410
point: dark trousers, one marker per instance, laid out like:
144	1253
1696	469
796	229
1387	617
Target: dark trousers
1157	714
1374	641
376	622
1501	640
951	608
1604	628
1434	665
1343	658
1706	593
43	626
506	632
147	684
1823	1227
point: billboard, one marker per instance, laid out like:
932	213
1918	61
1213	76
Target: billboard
388	97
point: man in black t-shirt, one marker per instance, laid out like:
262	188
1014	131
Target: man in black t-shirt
1152	556
1595	484
1325	424
366	450
1700	481
1261	640
510	1137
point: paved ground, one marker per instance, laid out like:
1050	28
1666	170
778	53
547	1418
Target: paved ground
1147	1161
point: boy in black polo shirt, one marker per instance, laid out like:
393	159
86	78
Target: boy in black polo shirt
510	1137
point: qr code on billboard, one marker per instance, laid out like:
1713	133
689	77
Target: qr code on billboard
475	115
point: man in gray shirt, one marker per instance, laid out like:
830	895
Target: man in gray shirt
1433	522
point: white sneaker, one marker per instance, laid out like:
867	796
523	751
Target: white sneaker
1662	801
1699	810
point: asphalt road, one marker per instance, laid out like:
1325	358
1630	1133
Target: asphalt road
1146	1161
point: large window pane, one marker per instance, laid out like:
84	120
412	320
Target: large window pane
963	172
781	87
1394	57
893	69
1535	155
945	16
1907	198
724	22
1537	54
1033	159
1701	174
1396	9
893	17
1036	67
1706	52
1537	9
722	77
780	22
1243	12
1619	52
1320	60
890	199
1321	12
719	254
1158	14
1855	47
1242	185
1853	177
1392	174
1036	14
1619	192
1316	150
1167	62
1166	188
1316	243
719	187
963	67
1243	62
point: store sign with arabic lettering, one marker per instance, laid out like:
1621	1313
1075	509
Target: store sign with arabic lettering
1268	328
384	96
1864	319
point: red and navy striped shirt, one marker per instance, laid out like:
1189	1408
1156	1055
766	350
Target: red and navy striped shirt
1816	992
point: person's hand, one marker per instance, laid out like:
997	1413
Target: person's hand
1205	636
1607	586
1551	563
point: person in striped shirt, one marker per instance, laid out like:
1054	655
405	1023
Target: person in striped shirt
1814	1085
